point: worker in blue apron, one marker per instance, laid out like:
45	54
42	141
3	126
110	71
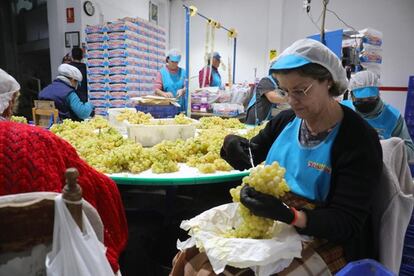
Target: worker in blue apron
209	75
383	117
332	158
170	80
265	97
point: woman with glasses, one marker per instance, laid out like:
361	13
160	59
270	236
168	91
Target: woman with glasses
332	157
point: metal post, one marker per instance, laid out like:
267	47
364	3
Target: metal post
234	60
187	100
325	3
187	18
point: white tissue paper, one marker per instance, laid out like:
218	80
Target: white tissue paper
264	257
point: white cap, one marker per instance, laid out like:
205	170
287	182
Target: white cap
174	55
8	86
364	79
308	50
70	71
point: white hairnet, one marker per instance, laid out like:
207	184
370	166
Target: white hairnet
364	79
70	71
316	52
174	52
8	86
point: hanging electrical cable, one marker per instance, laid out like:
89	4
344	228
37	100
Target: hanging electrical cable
213	38
307	8
230	38
210	38
206	50
337	16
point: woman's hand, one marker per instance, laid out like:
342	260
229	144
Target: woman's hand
267	206
234	152
168	95
180	92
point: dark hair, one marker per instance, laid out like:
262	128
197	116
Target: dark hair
314	71
67	58
77	53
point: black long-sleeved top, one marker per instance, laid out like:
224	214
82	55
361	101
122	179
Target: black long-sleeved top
82	90
356	158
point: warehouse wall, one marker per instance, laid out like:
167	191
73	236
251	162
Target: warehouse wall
252	23
56	17
267	24
393	18
105	10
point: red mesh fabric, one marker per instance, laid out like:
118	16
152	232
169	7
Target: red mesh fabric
34	160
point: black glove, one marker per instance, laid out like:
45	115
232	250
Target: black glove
235	151
267	206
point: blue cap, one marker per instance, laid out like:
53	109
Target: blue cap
289	62
175	58
216	55
366	92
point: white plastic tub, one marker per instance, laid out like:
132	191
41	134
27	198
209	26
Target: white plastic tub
152	134
119	125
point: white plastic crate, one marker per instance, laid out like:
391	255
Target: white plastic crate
120	125
149	135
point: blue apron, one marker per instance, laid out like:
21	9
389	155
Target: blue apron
252	103
173	82
348	103
384	123
308	169
215	79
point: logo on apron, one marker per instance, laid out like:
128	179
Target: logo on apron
319	166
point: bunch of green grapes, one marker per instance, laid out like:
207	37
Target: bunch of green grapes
174	149
195	147
208	163
103	147
181	119
125	115
141	162
205	163
135	117
18	119
214	139
217	122
164	159
253	131
204	151
222	165
266	179
206	168
128	156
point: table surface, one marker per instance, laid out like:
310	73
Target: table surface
185	176
197	115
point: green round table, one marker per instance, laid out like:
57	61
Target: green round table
185	176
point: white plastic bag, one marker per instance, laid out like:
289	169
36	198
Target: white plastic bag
239	93
75	252
263	256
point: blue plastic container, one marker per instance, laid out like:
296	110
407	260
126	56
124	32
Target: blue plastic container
159	111
366	267
412	168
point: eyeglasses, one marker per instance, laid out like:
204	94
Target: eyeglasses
298	93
